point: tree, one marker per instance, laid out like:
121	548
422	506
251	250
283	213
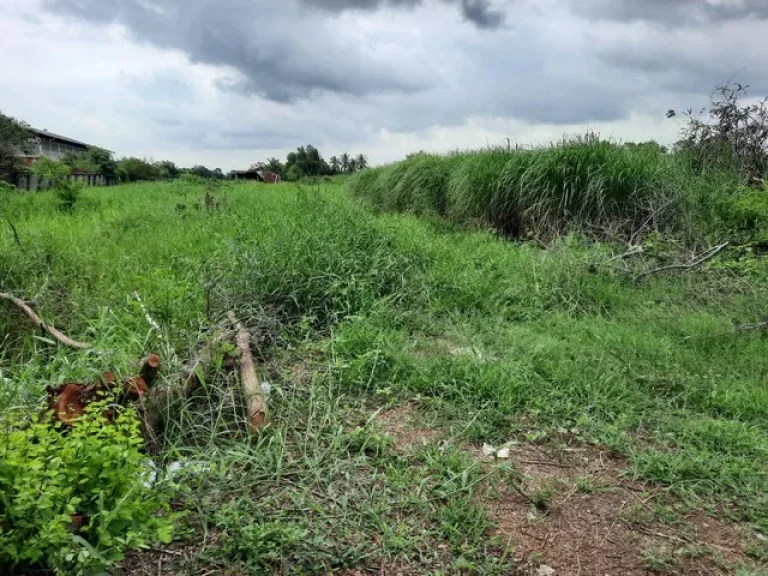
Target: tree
352	165
93	161
104	160
345	162
15	138
730	135
201	171
274	165
361	162
306	161
167	170
335	165
136	169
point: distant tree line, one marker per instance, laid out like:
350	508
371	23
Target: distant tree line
307	162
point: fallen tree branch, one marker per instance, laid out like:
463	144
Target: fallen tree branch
633	251
746	327
254	398
37	321
678	267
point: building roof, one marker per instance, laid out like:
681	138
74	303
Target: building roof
46	134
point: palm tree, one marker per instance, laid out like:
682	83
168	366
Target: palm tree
362	162
352	164
335	165
345	162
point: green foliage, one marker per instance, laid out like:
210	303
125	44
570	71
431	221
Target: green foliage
584	184
136	169
67	191
94	161
14	138
95	472
747	211
307	162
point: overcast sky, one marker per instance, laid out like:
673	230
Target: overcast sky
229	82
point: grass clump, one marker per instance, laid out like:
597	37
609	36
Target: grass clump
584	184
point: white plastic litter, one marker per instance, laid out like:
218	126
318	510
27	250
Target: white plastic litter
266	389
502	452
545	570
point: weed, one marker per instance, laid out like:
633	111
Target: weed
661	559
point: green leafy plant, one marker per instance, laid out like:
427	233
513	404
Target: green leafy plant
67	192
74	500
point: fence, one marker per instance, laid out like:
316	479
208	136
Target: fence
33	183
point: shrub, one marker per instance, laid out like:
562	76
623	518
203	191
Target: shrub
57	173
584	183
728	136
75	500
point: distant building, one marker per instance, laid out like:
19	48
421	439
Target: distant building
257	175
44	144
49	145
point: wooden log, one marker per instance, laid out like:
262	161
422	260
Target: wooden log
37	321
149	369
255	403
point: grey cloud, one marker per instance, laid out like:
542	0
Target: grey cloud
281	55
672	12
482	14
479	12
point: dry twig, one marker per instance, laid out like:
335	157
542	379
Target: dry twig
50	330
680	267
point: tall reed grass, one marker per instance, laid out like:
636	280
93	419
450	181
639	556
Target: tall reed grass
585	183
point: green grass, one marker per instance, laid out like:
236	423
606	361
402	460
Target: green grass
354	311
582	184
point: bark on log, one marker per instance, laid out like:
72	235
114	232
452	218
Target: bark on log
50	330
255	402
149	369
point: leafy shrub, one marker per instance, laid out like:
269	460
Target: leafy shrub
57	173
52	480
749	211
7	187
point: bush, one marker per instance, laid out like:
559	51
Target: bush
57	173
585	183
731	136
52	480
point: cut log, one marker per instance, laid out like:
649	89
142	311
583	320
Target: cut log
70	403
37	321
255	403
149	369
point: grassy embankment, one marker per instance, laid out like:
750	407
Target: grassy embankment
354	312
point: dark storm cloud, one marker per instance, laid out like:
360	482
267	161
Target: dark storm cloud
281	55
479	12
673	12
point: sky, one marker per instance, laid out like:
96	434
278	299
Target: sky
226	83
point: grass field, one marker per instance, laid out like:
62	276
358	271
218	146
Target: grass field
397	346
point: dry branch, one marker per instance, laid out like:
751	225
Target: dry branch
747	327
50	330
698	261
254	398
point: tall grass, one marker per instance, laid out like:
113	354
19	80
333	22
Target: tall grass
584	183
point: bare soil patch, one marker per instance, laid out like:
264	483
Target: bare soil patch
595	521
401	424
